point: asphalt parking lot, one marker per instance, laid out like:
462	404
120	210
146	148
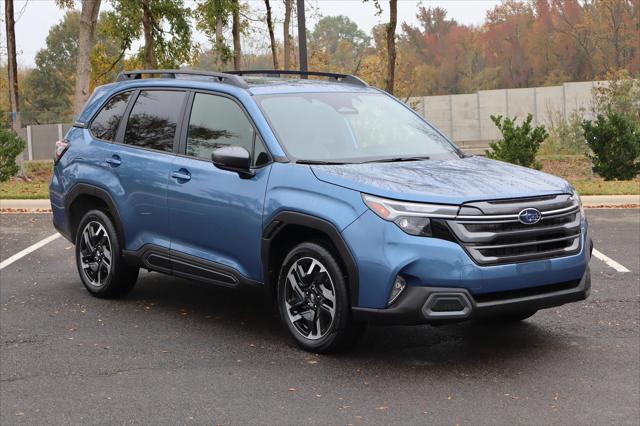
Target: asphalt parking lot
176	352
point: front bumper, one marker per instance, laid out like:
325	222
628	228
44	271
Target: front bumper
420	305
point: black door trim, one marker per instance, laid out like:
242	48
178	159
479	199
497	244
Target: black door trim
161	259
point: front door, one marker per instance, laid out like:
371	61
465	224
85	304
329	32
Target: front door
215	216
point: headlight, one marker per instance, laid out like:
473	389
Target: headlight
412	218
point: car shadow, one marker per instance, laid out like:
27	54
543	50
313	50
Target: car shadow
250	315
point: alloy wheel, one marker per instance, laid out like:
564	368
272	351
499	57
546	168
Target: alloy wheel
310	298
95	254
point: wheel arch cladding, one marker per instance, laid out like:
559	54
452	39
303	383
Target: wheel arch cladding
84	197
288	229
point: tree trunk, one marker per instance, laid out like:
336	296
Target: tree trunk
235	30
88	22
272	37
220	60
288	4
12	67
302	35
391	45
147	25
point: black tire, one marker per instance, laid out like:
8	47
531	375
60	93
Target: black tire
120	276
511	317
342	330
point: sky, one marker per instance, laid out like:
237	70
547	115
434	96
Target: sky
35	17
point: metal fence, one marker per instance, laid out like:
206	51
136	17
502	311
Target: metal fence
466	118
41	140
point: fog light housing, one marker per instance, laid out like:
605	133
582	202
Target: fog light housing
398	287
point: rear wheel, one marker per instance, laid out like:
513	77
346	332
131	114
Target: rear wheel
313	300
99	257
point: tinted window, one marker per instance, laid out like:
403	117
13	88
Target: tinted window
152	122
105	125
215	122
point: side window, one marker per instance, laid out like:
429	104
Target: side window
153	119
215	122
105	125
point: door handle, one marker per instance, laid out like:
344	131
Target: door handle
114	161
181	175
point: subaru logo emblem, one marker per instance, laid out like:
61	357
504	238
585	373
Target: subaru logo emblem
529	216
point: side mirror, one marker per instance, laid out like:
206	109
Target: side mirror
233	158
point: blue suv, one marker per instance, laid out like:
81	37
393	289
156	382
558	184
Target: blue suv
334	196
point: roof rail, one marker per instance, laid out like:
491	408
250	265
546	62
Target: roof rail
220	76
340	78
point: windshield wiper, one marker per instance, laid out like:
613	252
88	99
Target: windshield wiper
320	162
394	159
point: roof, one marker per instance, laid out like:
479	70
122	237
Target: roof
234	83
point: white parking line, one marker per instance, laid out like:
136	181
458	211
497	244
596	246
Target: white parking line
610	262
28	250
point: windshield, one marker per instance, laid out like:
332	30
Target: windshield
351	127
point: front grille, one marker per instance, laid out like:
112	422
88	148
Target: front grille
494	235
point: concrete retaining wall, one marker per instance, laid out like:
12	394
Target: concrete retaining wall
467	118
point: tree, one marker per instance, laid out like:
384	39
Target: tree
237	50
390	37
331	30
340	43
391	45
49	88
302	35
164	25
212	17
13	73
288	5
272	37
88	24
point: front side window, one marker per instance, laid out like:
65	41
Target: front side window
217	121
153	119
105	125
351	127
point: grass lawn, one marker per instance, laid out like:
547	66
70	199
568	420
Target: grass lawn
39	173
576	169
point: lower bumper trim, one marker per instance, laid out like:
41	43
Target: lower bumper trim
416	305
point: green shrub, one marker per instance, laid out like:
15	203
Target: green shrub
10	146
519	144
614	139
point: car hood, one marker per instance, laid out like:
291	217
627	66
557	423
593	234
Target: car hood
454	181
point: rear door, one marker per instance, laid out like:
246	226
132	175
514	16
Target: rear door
215	216
142	162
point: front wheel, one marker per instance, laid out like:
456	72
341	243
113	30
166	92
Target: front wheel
313	300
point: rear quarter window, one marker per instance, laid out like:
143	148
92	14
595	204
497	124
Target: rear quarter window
105	125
